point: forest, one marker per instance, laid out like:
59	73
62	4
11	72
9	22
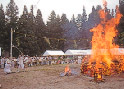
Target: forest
32	36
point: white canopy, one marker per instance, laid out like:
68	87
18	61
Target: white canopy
78	52
53	53
117	51
113	51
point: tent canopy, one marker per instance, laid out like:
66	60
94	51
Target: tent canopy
53	53
117	51
78	52
113	51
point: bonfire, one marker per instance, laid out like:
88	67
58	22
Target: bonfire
67	71
104	60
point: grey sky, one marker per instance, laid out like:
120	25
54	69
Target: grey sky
68	7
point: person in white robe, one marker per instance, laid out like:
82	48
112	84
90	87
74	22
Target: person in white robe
20	62
7	68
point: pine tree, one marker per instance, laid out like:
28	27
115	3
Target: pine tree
121	6
84	15
84	25
54	30
12	15
112	13
79	21
40	31
120	27
22	38
64	19
93	20
11	22
33	48
73	19
2	28
64	24
71	33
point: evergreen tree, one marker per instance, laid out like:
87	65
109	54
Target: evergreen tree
60	32
22	38
51	24
64	19
12	15
84	15
83	32
3	32
73	19
121	25
40	31
71	33
52	19
64	24
93	20
27	39
32	46
79	21
11	22
54	31
121	6
112	13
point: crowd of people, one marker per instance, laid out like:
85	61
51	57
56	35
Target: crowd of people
24	61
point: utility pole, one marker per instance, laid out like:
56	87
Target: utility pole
11	44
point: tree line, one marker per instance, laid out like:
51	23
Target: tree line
32	36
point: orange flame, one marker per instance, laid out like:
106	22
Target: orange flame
67	69
103	41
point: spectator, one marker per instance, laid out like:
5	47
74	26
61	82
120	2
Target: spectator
26	61
29	61
2	62
20	62
7	68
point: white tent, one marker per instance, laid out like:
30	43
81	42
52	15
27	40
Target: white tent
53	53
113	51
78	52
117	51
88	51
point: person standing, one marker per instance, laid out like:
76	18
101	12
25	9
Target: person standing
20	62
30	61
7	68
26	61
2	62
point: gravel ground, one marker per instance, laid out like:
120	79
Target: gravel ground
48	77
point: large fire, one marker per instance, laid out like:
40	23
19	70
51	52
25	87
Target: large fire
103	47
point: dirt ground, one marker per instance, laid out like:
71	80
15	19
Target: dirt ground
48	77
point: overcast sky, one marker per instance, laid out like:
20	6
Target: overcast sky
68	7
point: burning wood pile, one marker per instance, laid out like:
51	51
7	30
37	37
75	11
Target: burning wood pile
104	60
68	72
